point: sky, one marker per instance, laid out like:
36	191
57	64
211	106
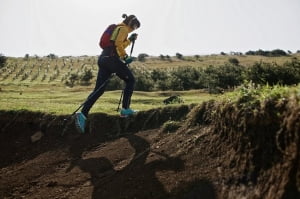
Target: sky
189	27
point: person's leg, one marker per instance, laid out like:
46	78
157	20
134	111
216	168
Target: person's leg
124	73
130	81
101	82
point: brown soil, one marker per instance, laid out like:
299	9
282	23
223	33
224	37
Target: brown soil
218	151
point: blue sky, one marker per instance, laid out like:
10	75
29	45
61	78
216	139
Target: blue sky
190	27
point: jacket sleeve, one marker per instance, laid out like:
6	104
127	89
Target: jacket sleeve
122	42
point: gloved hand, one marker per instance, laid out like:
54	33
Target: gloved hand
133	37
128	59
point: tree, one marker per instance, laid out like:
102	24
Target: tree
197	57
52	56
168	58
142	57
2	60
162	57
26	57
179	56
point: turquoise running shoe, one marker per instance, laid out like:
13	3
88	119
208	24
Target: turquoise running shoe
127	112
80	121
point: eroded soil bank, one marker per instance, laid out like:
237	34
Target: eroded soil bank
215	150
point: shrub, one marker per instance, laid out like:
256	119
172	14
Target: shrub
175	99
157	74
86	77
160	78
226	76
170	126
184	78
143	83
115	84
266	73
72	79
234	61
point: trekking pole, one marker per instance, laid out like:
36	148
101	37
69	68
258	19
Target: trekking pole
127	66
94	92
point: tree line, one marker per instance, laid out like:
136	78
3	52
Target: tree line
215	79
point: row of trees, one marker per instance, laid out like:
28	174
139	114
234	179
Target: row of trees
142	57
213	78
273	53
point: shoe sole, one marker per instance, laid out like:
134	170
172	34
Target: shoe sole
125	116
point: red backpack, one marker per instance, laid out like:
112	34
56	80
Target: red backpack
105	40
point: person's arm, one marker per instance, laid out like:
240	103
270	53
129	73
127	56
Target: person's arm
122	42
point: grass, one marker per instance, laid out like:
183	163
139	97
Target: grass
62	100
250	94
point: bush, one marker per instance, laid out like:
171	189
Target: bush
143	83
72	79
86	77
115	84
175	99
272	74
234	61
226	76
160	78
170	126
184	78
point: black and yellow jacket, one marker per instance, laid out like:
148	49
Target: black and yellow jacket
120	38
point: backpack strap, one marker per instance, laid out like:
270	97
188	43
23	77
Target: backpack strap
115	33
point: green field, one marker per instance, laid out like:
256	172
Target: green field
38	84
64	100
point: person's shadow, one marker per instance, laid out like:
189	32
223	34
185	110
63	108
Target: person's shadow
136	180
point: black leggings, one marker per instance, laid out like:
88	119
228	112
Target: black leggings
108	66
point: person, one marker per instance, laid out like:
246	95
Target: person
113	59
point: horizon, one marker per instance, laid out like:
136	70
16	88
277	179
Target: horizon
174	55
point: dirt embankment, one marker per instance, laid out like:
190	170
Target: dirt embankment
215	150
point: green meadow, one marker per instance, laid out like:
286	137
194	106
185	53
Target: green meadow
39	83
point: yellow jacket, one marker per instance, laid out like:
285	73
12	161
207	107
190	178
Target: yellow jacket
119	36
